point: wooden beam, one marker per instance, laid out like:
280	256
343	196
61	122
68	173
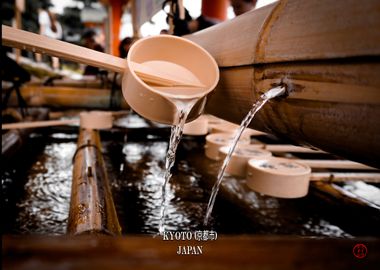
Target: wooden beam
347	176
282	148
92	209
37	124
68	97
334	164
146	252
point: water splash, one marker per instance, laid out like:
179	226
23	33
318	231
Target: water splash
183	109
272	93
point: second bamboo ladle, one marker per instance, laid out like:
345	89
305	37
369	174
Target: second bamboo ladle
158	70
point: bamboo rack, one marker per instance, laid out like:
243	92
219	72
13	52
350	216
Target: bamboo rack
342	177
67	97
37	124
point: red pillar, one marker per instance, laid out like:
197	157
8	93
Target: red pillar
116	8
216	9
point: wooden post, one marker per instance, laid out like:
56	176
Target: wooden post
135	27
170	20
92	209
19	8
116	10
215	9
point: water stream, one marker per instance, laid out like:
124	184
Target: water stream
183	109
274	92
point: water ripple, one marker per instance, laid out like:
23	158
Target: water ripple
45	207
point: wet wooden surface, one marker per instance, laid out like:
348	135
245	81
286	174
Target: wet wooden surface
146	252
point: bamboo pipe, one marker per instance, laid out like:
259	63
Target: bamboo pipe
67	97
334	164
282	148
342	177
37	124
313	48
49	123
37	43
92	209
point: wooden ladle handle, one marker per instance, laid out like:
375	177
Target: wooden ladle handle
40	44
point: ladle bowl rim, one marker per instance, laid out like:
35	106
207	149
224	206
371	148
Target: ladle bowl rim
170	96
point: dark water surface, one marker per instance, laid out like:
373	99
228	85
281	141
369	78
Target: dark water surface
37	186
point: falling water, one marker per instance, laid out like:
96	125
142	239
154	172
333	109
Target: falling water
183	109
274	92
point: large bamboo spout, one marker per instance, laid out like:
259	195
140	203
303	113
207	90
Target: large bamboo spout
326	52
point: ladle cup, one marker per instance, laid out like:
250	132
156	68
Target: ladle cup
159	71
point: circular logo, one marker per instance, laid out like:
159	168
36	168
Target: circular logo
359	251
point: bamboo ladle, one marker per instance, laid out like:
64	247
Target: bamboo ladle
160	73
87	120
38	124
